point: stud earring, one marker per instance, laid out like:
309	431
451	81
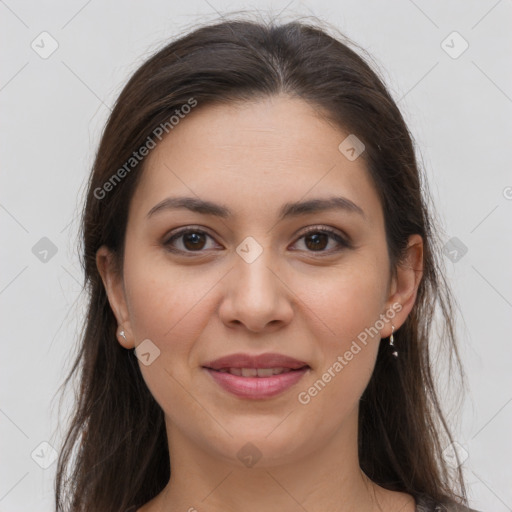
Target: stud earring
392	341
123	335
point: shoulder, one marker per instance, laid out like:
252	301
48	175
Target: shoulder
428	504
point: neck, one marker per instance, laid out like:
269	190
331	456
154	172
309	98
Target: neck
327	477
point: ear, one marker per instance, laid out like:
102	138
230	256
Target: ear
404	285
114	287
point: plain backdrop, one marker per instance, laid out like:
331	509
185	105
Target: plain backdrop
447	64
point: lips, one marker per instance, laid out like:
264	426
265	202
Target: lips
255	372
261	361
256	377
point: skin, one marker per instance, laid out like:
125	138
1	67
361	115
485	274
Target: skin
253	157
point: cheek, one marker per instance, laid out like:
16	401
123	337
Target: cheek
169	306
348	300
163	298
349	308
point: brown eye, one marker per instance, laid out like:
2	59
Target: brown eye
187	240
317	240
193	240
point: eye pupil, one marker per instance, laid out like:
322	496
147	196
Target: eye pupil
317	243
193	238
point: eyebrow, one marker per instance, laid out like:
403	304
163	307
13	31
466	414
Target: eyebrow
287	210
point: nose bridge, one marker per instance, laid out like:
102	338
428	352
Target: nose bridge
254	279
256	296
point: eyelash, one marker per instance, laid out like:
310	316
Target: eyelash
343	243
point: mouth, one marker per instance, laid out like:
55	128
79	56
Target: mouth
257	372
267	361
256	377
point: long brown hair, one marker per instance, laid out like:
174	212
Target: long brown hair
115	453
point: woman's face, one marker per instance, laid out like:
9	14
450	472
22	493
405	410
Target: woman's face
252	281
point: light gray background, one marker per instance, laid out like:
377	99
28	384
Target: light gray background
53	110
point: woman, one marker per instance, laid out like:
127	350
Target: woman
262	273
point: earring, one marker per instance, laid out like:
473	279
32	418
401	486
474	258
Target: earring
392	341
123	335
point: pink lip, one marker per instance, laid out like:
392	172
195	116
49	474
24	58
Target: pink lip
269	360
256	387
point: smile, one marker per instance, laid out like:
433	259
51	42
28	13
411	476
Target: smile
255	372
256	383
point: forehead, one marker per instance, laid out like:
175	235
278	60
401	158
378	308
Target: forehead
261	154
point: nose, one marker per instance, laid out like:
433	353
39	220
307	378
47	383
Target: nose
256	295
